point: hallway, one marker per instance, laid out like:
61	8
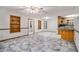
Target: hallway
39	29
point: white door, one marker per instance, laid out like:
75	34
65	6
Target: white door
31	26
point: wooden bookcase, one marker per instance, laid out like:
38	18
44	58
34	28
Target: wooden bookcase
14	24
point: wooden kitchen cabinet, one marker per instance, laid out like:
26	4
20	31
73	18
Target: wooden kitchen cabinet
67	34
65	28
61	20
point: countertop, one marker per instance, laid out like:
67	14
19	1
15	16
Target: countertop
66	28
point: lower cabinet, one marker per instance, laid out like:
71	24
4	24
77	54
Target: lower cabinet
67	34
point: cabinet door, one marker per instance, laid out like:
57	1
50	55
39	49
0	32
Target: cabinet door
14	24
67	35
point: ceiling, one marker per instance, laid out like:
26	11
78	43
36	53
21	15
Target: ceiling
51	10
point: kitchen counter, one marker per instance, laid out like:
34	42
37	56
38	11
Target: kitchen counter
66	28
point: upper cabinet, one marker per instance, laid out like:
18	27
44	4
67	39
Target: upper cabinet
64	22
45	24
61	20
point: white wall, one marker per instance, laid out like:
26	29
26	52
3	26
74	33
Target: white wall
5	23
76	39
53	24
76	26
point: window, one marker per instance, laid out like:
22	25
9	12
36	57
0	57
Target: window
45	24
14	24
31	25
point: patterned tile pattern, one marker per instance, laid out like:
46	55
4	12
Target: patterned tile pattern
32	43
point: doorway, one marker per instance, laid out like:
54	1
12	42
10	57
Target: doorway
39	24
31	26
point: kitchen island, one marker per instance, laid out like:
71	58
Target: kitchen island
66	34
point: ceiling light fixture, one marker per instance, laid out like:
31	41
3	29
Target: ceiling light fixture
34	9
46	17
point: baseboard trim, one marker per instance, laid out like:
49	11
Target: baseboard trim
9	28
12	38
46	31
24	35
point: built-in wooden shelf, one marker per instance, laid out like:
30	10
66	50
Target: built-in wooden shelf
14	24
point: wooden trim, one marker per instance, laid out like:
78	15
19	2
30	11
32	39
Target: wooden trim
9	28
46	31
5	29
24	28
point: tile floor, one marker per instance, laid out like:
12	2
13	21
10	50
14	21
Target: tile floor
39	42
